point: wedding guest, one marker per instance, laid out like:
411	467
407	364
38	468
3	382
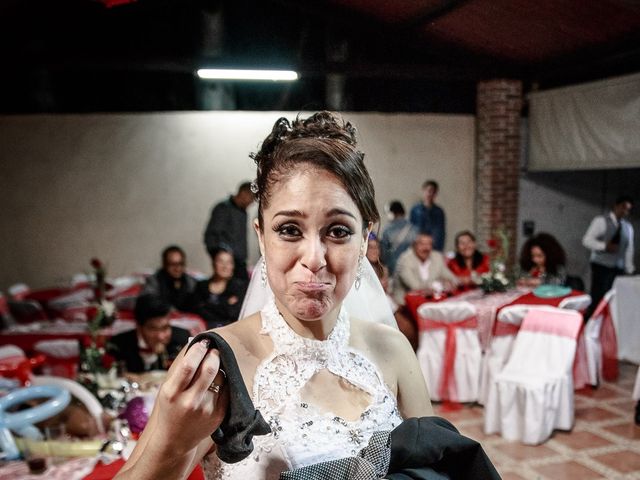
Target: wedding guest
171	282
421	268
397	236
542	261
428	217
468	262
227	228
610	239
219	298
154	343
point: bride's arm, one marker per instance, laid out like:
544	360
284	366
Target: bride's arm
413	396
186	412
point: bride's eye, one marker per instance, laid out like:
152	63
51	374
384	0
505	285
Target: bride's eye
339	232
288	231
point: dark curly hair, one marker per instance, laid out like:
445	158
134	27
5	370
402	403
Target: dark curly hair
324	141
553	252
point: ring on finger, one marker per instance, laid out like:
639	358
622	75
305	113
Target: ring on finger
215	387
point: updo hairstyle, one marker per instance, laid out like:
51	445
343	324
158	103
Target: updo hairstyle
322	141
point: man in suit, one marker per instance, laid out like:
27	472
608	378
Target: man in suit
171	282
421	268
154	343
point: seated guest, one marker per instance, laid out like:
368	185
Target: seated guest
154	343
542	261
469	262
171	282
397	236
218	299
373	255
421	268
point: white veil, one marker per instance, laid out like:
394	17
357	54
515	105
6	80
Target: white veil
369	302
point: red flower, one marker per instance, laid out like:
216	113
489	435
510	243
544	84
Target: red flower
492	243
107	361
95	263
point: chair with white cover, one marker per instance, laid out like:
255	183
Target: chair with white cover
576	302
504	333
601	343
449	351
534	393
63	356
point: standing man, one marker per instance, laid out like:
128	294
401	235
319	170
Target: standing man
428	217
227	228
610	239
397	236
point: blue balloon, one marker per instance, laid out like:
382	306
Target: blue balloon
58	397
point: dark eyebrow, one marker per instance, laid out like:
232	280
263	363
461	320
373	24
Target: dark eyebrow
298	213
340	211
289	213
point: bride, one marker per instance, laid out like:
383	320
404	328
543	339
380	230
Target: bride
323	380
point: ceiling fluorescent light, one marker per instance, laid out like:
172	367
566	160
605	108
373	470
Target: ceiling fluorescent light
228	74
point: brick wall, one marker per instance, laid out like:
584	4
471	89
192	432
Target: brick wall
498	159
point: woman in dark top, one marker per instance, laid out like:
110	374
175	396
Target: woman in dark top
218	299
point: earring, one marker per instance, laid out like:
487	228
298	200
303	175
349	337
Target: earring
263	272
359	272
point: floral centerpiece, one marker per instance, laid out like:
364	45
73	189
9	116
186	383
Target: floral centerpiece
497	278
93	358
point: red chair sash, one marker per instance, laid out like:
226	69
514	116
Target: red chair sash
505	329
609	343
447	387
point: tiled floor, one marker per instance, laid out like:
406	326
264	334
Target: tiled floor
604	443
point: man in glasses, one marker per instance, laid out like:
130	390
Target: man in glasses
171	282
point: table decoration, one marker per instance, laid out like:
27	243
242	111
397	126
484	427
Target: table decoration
497	279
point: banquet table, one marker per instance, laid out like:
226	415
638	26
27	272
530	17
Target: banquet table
487	305
626	317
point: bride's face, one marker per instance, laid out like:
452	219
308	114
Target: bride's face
312	239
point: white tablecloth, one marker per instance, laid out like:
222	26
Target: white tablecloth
626	317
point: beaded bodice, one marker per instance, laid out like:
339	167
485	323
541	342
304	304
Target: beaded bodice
302	433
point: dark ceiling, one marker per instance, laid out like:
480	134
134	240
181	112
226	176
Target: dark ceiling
361	55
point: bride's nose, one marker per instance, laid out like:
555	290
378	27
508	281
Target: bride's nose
314	254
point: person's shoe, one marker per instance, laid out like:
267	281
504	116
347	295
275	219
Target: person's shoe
637	419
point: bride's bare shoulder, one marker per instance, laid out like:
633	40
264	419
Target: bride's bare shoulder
242	334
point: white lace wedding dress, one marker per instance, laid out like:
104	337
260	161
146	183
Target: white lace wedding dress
301	433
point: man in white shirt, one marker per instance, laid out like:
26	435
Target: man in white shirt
421	268
610	239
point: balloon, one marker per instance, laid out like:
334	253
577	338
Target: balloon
21	420
80	392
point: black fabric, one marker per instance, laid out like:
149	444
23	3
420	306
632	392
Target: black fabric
234	437
124	347
602	279
430	448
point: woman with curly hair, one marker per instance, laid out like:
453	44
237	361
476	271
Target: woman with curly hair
542	261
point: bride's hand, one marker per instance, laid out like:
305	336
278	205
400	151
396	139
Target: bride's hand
188	410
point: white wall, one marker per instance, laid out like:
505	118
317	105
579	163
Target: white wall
123	186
